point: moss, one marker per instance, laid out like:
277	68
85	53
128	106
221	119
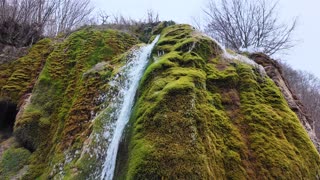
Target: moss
12	161
168	125
29	128
65	98
200	117
269	128
196	115
158	29
6	69
226	78
20	75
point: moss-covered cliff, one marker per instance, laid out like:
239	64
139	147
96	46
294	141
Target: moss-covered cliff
198	114
68	76
201	116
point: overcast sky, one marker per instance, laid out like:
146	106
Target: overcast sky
303	56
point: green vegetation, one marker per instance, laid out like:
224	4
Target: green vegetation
18	77
12	161
57	119
197	115
201	117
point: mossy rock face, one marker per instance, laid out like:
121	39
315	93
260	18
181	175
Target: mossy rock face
57	120
199	116
18	77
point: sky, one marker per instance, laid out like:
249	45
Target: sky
304	56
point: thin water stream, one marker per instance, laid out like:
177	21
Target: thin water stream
130	78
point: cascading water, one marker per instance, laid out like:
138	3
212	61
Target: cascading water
239	57
127	81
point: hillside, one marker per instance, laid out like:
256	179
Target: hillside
197	112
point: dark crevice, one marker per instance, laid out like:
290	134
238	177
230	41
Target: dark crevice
8	112
122	155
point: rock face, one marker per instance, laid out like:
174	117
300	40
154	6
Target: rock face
274	71
198	114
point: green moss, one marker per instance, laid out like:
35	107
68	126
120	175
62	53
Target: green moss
270	126
197	116
158	29
19	76
200	117
12	161
29	128
65	97
225	78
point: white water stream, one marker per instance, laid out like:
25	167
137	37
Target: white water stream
239	57
130	78
126	83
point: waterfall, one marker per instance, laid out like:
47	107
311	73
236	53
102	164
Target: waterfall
127	81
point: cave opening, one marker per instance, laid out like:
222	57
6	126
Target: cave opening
8	112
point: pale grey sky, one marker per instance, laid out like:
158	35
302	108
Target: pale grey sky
303	56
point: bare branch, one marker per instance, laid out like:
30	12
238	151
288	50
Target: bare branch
249	25
23	22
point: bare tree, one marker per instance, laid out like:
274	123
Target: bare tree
70	14
248	24
103	17
22	21
152	17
